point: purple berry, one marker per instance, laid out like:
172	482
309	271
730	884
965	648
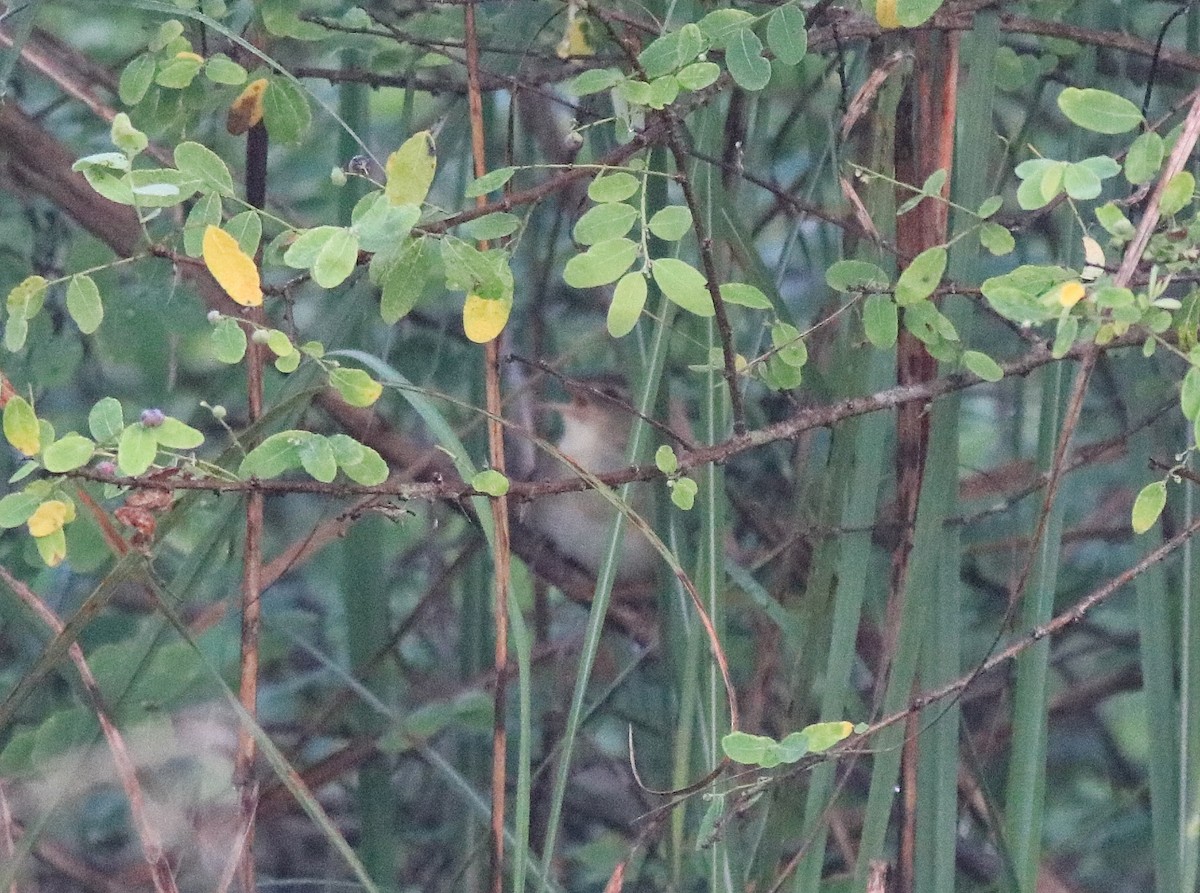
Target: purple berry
106	467
152	418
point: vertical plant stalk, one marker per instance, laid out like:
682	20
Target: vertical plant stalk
152	849
243	772
925	143
501	558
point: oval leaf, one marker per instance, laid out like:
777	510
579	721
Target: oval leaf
1149	505
484	318
68	453
234	270
628	301
410	170
1099	110
684	285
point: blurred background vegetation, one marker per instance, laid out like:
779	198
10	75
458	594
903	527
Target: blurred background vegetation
850	558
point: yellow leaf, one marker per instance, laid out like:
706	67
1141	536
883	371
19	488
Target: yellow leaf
195	57
52	548
484	319
233	269
410	170
885	13
247	109
574	42
48	518
1069	293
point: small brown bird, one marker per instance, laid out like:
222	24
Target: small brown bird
595	434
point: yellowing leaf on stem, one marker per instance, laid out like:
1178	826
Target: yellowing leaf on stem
247	109
410	170
1070	293
574	41
233	269
484	318
885	13
49	518
21	428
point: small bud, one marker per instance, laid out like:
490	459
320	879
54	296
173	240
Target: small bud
573	141
260	336
337	177
106	467
219	412
152	418
214	316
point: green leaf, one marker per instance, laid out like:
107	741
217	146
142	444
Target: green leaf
683	493
744	295
1080	182
1064	335
336	259
857	275
355	386
684	285
285	112
611	220
84	304
491	482
786	34
246	227
698	75
1149	506
614	187
483	273
126	137
996	238
228	341
671	223
16	508
379	224
1189	394
601	264
1099	110
136	79
27	297
823	735
359	463
410	170
203	164
491	226
303	252
665	460
205	212
742	747
990	206
21	428
779	376
590	82
492	180
671	52
628	301
178	72
316	457
789	345
220	69
1177	194
793	747
136	449
68	453
175	435
16	330
1114	221
721	24
1144	158
403	277
744	59
105	420
880	320
288	362
275	455
982	365
921	277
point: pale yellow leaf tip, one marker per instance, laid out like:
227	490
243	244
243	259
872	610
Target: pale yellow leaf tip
233	269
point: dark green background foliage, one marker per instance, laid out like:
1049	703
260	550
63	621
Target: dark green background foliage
753	214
